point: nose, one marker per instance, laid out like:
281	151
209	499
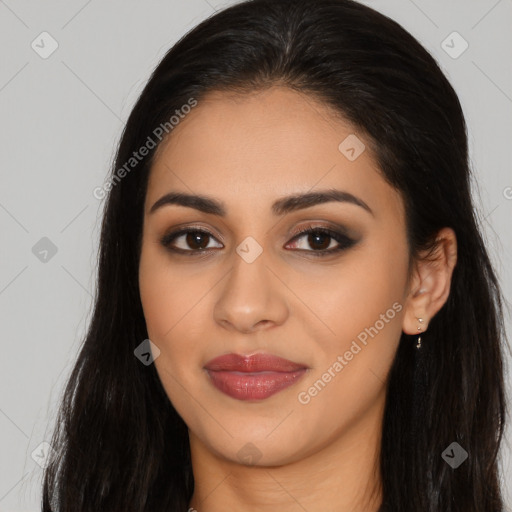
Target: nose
252	297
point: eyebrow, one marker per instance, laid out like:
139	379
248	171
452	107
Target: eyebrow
280	207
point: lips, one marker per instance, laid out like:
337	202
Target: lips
254	377
254	363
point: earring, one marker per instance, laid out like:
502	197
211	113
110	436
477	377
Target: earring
418	344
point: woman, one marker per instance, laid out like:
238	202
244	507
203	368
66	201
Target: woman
295	307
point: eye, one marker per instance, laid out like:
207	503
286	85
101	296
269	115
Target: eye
324	241
195	241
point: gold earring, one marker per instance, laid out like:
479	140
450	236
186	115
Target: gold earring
418	344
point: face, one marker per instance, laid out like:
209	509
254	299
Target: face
237	276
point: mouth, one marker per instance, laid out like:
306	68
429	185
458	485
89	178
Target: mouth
254	377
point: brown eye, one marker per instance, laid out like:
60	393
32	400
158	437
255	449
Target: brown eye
323	241
320	241
196	240
193	241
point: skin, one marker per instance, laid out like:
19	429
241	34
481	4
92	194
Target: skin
247	152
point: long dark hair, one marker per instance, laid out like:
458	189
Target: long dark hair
120	445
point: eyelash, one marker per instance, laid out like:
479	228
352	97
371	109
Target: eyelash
344	241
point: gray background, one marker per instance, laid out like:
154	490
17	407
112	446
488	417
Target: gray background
60	119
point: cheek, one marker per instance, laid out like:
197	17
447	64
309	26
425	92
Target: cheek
363	308
165	298
352	298
174	312
167	315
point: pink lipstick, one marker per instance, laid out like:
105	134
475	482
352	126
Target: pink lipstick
253	377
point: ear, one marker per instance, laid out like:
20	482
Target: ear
430	283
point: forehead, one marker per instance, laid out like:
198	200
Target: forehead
259	146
